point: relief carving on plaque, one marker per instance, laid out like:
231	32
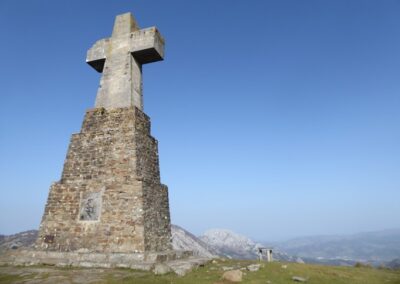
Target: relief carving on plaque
90	206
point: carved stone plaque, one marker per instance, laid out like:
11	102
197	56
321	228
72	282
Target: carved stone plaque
90	206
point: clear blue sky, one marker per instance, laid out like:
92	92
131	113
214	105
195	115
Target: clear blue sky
275	119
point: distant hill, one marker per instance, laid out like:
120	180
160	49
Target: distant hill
232	245
25	239
183	240
394	264
374	247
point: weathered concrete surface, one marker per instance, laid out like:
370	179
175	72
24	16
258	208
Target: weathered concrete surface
120	59
109	198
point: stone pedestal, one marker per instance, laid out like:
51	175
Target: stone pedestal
109	198
179	262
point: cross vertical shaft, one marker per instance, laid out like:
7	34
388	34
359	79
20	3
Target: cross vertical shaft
120	59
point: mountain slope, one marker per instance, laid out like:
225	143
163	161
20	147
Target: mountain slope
229	244
380	246
232	245
394	264
183	240
24	239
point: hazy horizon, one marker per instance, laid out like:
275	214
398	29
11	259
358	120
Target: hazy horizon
266	240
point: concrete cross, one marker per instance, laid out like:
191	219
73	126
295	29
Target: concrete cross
120	59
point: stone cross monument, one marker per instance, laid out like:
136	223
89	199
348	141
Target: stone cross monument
110	198
120	59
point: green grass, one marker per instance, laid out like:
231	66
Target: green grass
272	273
7	278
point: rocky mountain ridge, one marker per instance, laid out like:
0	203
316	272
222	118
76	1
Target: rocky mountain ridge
232	245
184	240
24	239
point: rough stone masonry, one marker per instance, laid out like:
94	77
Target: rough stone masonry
110	198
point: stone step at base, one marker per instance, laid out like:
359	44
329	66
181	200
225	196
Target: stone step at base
180	262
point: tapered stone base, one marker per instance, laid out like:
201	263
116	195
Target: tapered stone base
109	198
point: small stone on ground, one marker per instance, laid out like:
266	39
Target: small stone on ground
299	279
233	275
253	267
161	269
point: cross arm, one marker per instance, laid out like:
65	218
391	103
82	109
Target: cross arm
96	55
147	45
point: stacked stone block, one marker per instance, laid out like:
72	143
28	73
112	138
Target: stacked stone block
109	198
